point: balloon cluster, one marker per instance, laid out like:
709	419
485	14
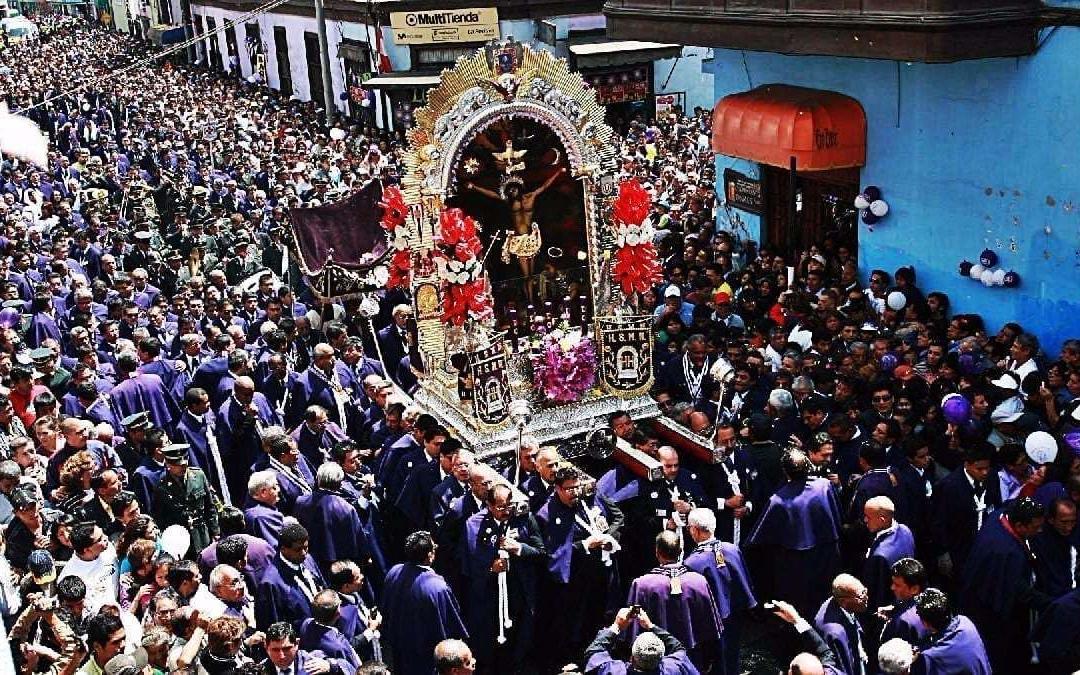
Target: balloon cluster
872	207
983	271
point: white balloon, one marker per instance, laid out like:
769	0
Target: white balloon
896	301
175	540
879	208
861	202
976	271
999	277
337	134
987	277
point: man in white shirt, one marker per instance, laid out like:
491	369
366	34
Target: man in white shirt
94	561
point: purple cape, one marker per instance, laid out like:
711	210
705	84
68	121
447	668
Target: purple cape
730	582
420	611
800	516
691	616
958	649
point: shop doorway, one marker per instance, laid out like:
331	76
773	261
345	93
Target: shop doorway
824	207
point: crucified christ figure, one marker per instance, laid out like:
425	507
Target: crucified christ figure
524	242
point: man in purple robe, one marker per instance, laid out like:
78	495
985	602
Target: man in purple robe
317	385
581	537
239	420
334	525
1057	633
289	586
839	624
286	656
962	501
661	506
655	651
901	618
319	633
955	645
997	592
196	428
263	519
135	393
293	471
1057	549
680	599
359	619
891	542
795	545
420	609
416	493
721	563
151	362
316	435
497	541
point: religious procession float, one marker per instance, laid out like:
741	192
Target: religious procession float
524	256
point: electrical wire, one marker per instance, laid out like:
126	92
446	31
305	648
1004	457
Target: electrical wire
172	49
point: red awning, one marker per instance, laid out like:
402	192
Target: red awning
775	122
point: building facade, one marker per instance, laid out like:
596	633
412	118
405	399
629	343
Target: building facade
966	133
385	54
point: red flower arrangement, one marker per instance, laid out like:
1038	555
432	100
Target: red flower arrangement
457	259
636	268
393	221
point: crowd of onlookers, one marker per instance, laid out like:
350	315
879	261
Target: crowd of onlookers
203	468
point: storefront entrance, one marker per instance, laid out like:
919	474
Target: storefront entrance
823	207
809	145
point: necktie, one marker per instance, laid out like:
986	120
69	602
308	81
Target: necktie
980	504
306	583
1072	567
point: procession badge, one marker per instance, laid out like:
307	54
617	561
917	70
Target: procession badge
491	387
626	355
719	556
427	301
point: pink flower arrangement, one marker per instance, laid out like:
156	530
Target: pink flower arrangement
565	368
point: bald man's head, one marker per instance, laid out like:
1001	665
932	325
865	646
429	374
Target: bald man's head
878	513
806	664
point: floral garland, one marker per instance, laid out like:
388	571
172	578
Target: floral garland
457	260
636	268
393	221
565	367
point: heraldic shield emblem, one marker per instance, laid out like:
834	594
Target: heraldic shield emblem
491	387
626	362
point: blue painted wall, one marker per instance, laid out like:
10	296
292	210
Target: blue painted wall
968	155
686	75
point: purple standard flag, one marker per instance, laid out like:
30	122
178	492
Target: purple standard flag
348	230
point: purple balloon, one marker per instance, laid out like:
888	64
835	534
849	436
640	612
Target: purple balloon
1072	439
889	362
968	364
869	218
872	192
9	317
956	410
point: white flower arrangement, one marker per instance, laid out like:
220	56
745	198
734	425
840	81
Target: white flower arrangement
400	238
633	235
456	272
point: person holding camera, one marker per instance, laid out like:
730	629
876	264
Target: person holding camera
654	650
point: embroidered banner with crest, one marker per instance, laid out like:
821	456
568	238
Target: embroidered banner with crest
491	387
625	352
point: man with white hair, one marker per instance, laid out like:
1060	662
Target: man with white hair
263	519
230	596
654	651
895	657
721	563
334	528
839	624
892	541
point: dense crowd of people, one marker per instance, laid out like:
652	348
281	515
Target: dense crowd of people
205	470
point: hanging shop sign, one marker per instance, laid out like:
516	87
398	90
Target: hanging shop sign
667	103
743	192
478	24
621	87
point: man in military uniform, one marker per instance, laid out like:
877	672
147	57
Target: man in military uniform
131	449
183	497
141	256
240	266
